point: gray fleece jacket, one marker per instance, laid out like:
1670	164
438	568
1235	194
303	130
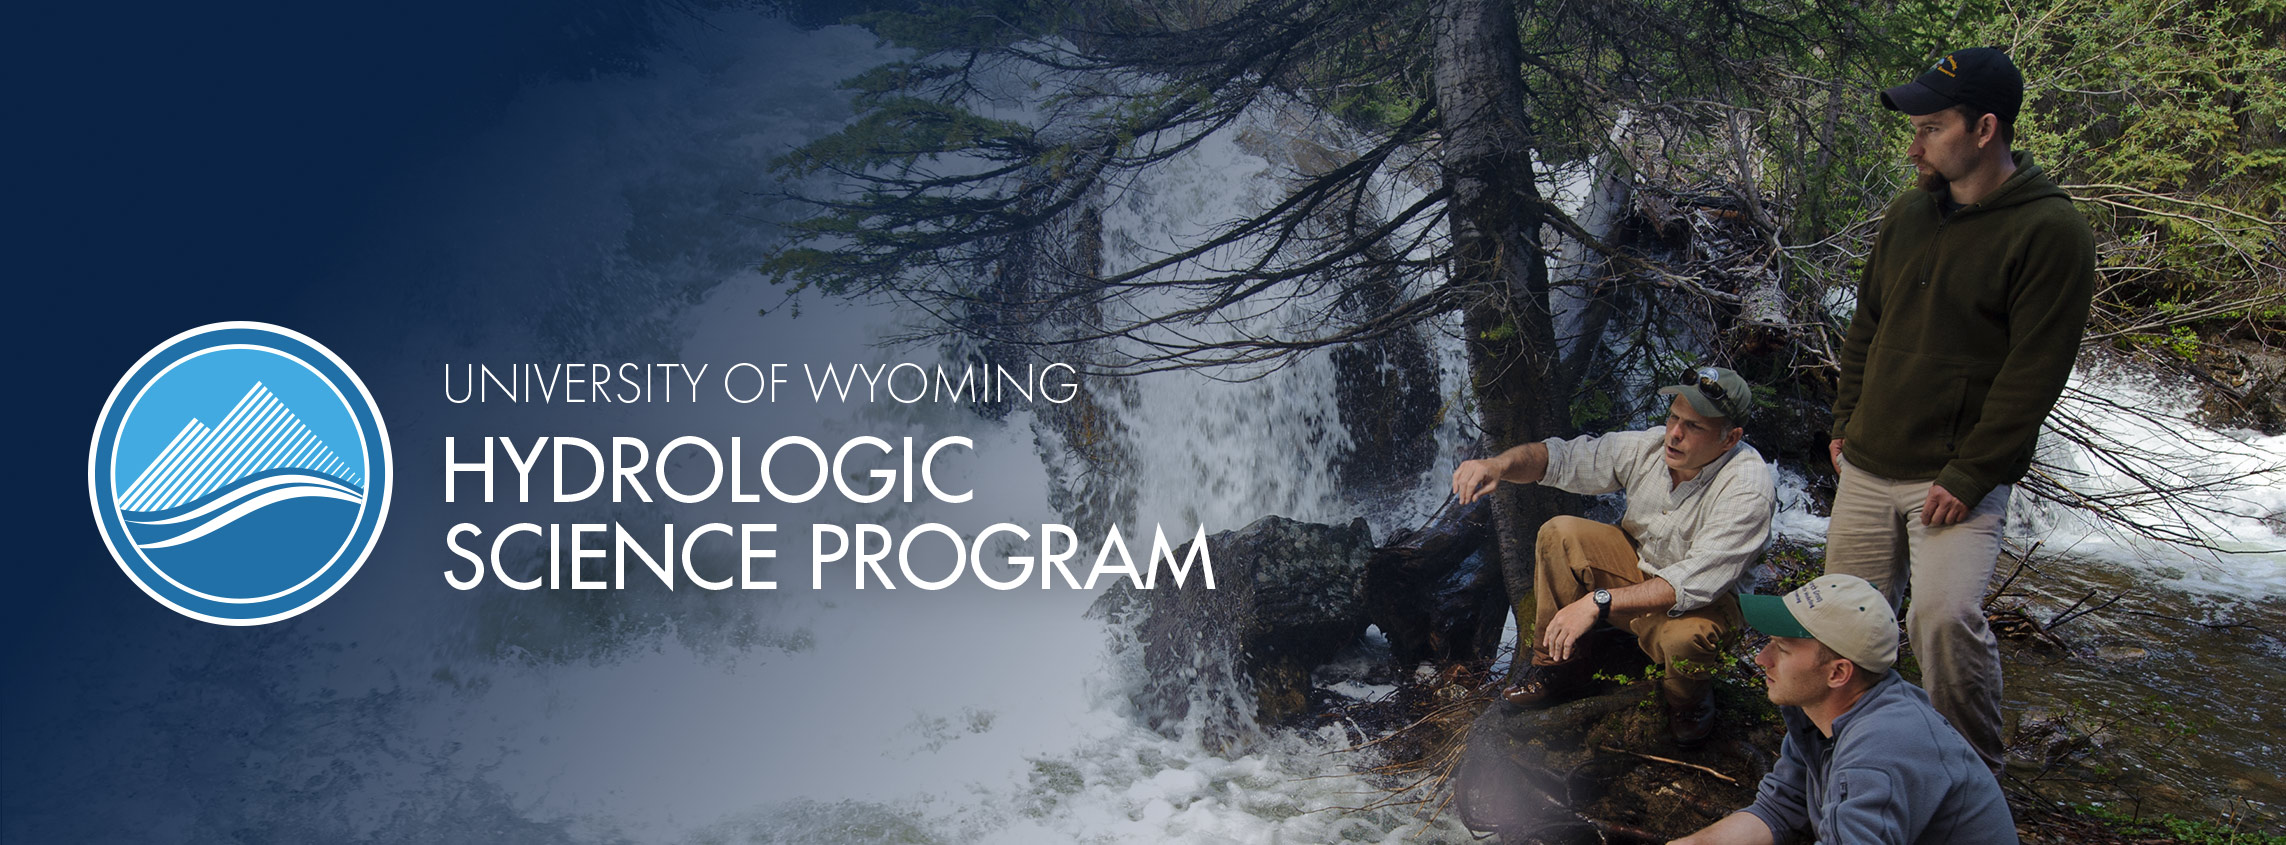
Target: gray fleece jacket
1893	772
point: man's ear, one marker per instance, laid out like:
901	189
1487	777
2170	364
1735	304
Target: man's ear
1840	674
1737	433
1987	129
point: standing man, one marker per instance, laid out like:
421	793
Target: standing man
1968	319
1699	503
1865	759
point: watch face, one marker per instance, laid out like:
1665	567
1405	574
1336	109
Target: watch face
1603	597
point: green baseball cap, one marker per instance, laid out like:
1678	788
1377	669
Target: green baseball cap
1844	612
1715	392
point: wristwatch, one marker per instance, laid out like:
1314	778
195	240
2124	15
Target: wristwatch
1603	605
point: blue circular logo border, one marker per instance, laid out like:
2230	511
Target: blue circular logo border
380	472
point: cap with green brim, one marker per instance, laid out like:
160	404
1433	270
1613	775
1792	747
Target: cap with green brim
1844	612
1715	392
1768	615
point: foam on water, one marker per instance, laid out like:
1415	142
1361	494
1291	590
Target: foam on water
2232	496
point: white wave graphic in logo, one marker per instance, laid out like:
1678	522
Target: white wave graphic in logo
246	500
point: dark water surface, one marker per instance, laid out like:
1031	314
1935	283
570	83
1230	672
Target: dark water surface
2148	705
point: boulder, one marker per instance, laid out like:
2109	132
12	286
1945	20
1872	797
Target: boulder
1437	592
1228	661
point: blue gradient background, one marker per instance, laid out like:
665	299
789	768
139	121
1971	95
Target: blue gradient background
174	166
180	165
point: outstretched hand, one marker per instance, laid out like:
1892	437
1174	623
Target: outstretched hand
1475	479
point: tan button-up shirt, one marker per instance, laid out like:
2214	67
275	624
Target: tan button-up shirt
1698	535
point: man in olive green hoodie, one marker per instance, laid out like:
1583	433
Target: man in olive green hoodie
1968	319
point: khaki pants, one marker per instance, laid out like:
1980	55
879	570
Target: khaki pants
1579	556
1876	534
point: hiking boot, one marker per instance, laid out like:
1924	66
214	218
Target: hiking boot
1690	719
1543	685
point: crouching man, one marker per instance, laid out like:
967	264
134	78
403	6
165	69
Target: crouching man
1865	759
1699	503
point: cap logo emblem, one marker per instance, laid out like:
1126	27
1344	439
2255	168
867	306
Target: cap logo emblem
1809	596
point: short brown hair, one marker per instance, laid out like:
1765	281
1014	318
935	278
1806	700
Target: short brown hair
1971	114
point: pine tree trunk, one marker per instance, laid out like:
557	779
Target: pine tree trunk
1496	218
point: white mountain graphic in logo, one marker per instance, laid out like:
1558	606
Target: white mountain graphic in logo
258	435
259	456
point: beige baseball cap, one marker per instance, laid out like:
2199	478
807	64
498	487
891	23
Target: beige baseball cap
1844	612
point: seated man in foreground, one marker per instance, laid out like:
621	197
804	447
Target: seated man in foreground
1866	759
1699	503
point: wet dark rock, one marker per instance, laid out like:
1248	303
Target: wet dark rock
1388	399
2243	385
1798	432
1229	660
1437	592
1089	463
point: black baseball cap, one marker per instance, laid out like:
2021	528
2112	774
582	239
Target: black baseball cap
1981	78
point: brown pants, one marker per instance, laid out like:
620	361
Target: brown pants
1579	556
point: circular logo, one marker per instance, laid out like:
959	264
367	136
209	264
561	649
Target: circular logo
240	473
